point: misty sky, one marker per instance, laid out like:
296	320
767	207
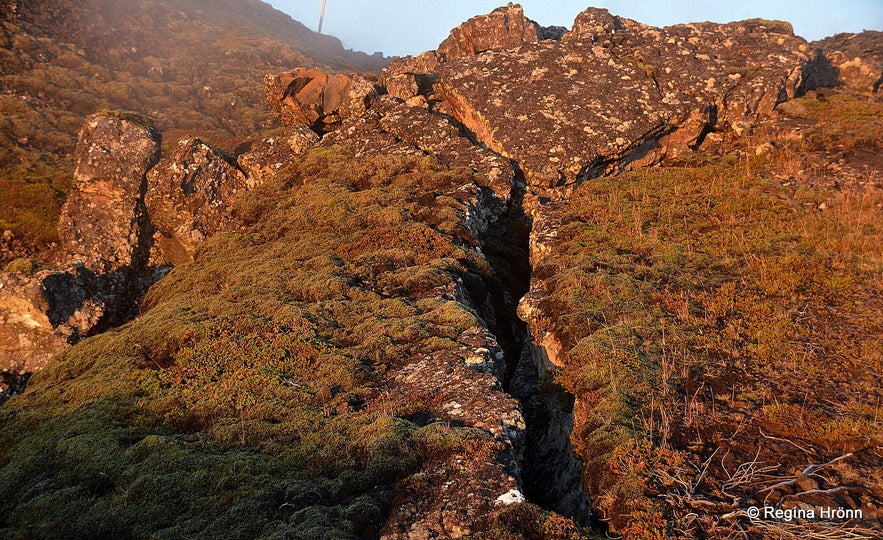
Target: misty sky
413	26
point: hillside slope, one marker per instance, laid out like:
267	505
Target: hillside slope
195	67
615	281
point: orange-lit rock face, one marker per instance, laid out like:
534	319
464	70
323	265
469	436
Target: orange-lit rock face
103	223
856	59
317	98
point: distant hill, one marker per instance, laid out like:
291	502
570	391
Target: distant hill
196	67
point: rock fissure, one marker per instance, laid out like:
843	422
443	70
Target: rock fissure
550	471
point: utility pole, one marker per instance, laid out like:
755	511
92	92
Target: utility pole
321	16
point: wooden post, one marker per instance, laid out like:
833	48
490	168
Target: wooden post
321	16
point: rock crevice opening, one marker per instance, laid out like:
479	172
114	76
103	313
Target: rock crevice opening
550	469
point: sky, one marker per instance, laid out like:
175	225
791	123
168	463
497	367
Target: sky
401	27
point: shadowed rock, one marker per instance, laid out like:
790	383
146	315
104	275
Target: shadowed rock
44	312
857	59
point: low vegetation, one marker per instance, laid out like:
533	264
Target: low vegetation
248	400
722	329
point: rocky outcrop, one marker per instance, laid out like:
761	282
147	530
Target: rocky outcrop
409	77
189	197
28	338
43	311
504	28
265	157
104	222
390	126
464	495
857	59
457	496
316	98
615	94
106	237
111	251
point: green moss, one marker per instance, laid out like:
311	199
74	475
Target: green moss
23	267
248	398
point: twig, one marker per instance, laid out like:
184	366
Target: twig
832	491
765	436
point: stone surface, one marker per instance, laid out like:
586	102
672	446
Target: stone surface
615	94
390	126
504	28
410	76
103	222
316	98
45	313
189	196
463	492
857	59
266	157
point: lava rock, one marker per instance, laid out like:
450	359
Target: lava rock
856	59
316	98
103	222
504	28
189	196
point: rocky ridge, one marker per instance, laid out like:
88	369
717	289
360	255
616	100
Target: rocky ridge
856	58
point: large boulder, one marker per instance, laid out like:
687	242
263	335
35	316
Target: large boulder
857	59
615	94
190	195
103	222
44	311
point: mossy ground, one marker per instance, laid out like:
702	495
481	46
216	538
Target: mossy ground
248	400
715	320
55	70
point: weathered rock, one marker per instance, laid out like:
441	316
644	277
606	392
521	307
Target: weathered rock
594	25
857	59
553	113
316	98
103	222
45	313
615	94
410	76
464	493
504	28
533	308
396	128
437	137
189	196
266	157
403	86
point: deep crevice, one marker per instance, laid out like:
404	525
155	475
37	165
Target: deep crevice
551	471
